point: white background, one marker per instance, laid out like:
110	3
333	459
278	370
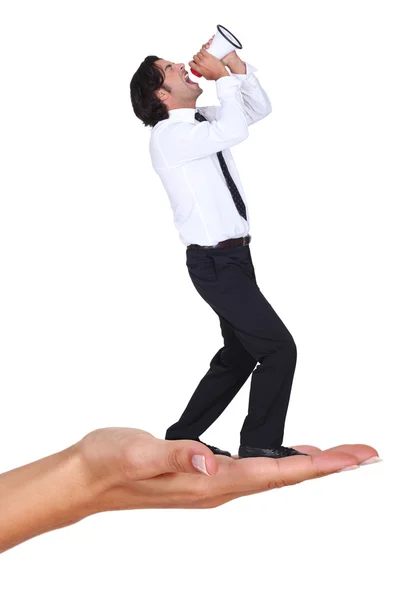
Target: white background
101	326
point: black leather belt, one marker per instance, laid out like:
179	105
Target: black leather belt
243	241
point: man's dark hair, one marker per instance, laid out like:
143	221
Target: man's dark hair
146	106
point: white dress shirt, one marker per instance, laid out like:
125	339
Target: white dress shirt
183	154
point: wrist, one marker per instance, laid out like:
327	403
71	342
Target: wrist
89	486
84	490
223	73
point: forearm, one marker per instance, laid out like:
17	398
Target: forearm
237	66
47	494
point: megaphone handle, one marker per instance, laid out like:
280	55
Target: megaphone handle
196	73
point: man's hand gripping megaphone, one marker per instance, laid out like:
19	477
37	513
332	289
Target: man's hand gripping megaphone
232	56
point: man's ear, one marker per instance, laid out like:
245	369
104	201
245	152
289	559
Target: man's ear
161	94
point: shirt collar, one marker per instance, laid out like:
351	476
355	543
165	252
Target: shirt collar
182	114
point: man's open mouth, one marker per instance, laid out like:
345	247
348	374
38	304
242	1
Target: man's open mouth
188	80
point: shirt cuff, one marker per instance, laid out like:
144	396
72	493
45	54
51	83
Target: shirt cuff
248	76
224	84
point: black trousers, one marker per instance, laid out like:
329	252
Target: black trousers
252	333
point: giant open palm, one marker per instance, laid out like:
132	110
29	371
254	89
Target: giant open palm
134	469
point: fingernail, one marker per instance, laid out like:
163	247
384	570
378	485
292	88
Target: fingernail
350	468
371	461
199	463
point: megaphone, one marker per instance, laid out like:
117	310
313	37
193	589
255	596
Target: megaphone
223	43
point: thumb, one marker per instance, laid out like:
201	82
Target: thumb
186	456
153	457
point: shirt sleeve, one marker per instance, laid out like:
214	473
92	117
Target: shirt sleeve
256	102
181	142
255	98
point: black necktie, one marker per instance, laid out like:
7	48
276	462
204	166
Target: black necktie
228	177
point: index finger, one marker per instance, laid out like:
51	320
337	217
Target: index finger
261	474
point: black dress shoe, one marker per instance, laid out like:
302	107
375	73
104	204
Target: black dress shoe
281	452
214	449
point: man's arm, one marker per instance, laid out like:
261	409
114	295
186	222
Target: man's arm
181	142
255	98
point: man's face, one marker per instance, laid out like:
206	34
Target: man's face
183	89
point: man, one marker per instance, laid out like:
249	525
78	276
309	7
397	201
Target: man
190	151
